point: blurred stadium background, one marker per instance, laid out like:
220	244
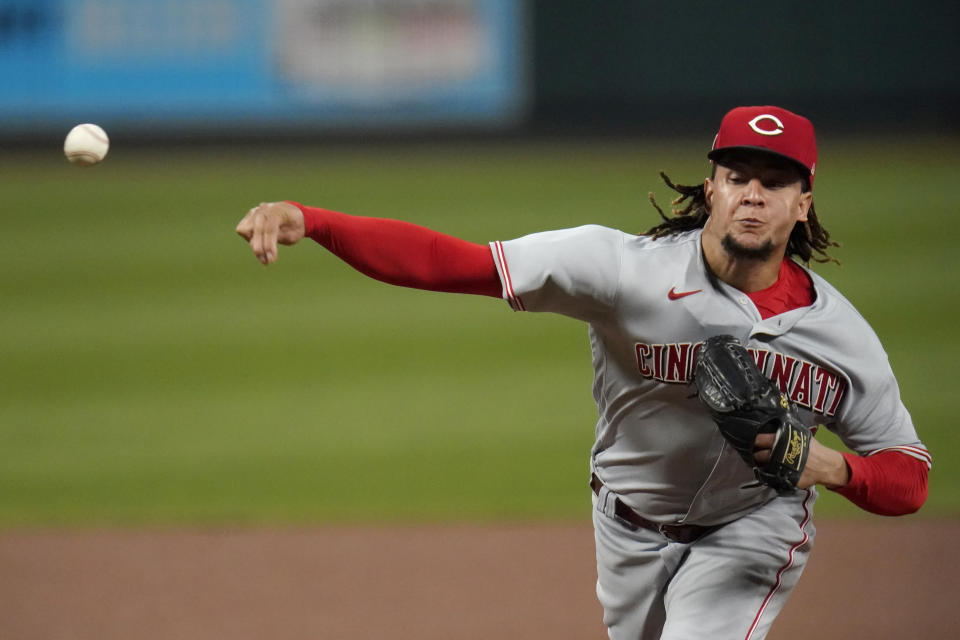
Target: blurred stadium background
153	372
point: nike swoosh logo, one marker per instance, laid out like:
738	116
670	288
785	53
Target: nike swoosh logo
676	295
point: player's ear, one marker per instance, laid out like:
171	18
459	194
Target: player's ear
708	193
806	201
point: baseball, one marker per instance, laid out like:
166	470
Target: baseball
86	145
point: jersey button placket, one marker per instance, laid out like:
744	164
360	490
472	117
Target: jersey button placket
748	308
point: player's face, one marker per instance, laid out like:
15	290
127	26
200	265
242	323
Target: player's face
754	203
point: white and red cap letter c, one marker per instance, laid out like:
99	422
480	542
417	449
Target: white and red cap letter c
755	125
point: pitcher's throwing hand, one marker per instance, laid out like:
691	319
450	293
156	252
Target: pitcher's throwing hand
269	224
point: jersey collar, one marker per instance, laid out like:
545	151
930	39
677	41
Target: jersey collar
712	313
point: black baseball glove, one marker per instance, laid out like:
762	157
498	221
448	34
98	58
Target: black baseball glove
743	403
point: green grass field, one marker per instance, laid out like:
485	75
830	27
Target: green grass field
154	373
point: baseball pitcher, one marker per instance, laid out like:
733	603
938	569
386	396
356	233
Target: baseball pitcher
717	356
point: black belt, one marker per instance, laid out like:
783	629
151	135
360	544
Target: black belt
684	533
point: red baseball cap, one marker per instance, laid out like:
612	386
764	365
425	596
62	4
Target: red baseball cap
769	129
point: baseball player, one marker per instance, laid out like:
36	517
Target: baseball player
691	542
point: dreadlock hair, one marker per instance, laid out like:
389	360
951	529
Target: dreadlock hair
806	239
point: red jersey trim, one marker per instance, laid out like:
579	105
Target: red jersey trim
913	452
512	298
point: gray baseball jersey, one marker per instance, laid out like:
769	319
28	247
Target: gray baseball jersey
649	304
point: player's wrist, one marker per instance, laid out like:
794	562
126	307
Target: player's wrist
314	220
839	472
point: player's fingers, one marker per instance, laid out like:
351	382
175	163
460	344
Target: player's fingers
245	226
764	441
257	239
264	243
763	448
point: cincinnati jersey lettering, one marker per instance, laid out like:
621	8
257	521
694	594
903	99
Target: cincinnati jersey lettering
808	384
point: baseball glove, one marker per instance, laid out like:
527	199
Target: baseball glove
743	403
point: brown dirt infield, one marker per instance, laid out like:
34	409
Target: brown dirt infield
877	578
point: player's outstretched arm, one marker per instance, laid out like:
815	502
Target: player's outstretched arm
269	224
392	251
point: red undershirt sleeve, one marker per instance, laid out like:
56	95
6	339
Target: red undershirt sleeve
888	483
404	254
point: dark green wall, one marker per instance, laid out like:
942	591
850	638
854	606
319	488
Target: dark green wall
863	65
